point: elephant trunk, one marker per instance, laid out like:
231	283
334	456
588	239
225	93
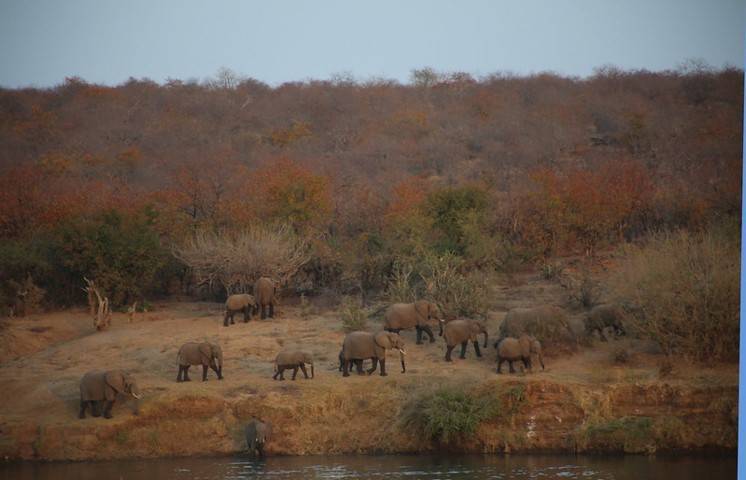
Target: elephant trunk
485	339
440	326
311	369
401	357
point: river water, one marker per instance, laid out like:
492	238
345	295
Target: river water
386	467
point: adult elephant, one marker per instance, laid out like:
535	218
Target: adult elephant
96	386
292	359
461	332
545	322
604	316
265	295
258	434
243	303
417	315
205	354
512	349
362	345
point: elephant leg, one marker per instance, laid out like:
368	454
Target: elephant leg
277	373
272	310
264	311
217	371
526	364
225	320
429	332
419	335
186	373
204	373
83	406
178	375
373	368
95	408
346	368
246	314
303	369
510	364
476	348
295	372
282	373
260	449
383	367
463	349
601	334
107	408
359	366
449	349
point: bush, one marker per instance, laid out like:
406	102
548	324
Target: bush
449	414
682	291
354	317
454	213
456	293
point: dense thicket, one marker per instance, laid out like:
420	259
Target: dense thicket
375	175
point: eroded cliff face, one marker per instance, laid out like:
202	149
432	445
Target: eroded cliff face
365	415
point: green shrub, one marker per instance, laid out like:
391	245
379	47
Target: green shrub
454	213
456	292
682	291
354	317
448	414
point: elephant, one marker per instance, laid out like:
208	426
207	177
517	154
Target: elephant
362	345
460	332
242	302
544	322
258	434
265	293
96	386
602	316
417	315
510	349
292	359
358	363
204	354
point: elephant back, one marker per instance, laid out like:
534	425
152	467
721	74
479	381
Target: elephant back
194	353
402	315
264	291
239	301
359	345
605	315
93	386
546	323
290	357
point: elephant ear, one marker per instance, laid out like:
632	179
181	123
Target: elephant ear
114	384
205	350
422	308
383	340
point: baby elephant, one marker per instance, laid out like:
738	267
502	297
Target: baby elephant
602	317
257	435
205	354
511	349
462	332
98	387
243	303
292	359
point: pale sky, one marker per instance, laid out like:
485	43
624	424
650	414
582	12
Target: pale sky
275	41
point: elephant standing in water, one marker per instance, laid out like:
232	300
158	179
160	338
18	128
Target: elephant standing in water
257	435
243	303
417	315
265	293
461	332
362	345
205	354
292	359
98	387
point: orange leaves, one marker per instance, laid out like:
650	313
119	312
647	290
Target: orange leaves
285	136
406	198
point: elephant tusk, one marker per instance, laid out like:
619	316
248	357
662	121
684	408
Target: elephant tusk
137	397
402	352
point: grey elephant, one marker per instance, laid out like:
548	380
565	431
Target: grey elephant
292	359
545	321
604	316
265	295
512	349
205	354
417	315
362	345
258	434
99	386
461	332
358	363
241	302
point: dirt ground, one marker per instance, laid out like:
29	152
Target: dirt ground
45	355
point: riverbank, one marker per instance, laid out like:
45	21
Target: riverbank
592	401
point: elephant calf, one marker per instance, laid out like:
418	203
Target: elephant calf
511	349
98	387
205	354
292	359
357	363
265	295
461	332
243	303
417	315
604	316
257	435
362	345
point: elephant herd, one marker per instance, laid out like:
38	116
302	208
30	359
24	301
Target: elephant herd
517	343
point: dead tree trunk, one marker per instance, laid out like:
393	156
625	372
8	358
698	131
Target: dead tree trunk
99	306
